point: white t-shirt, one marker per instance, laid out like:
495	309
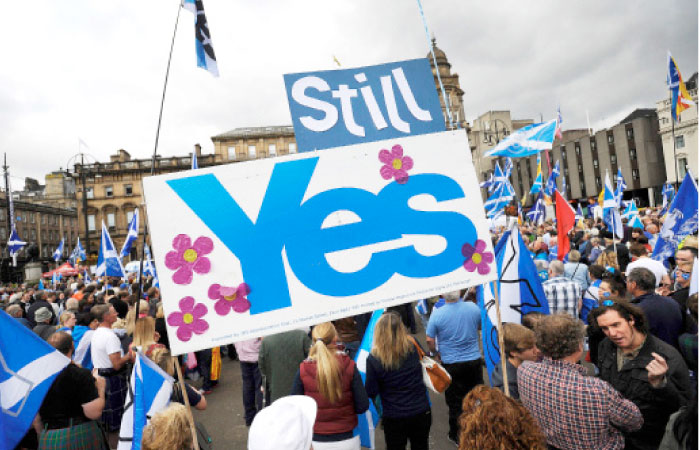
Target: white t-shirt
104	343
656	267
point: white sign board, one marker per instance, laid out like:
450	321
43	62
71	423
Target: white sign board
260	247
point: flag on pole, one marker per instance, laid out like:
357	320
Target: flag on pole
205	51
15	244
194	161
488	183
668	194
55	278
28	368
86	277
149	392
520	292
108	262
557	133
58	253
367	421
495	204
681	220
611	212
526	141
552	180
538	212
148	267
566	218
631	213
83	352
131	235
579	215
621	186
537	184
680	99
78	253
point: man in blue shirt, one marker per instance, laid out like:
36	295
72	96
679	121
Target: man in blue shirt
454	330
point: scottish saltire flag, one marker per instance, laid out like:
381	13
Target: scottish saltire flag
55	278
15	244
131	235
367	422
681	220
422	307
194	161
501	177
78	253
668	194
205	51
83	353
148	267
680	99
538	212
631	213
557	133
552	180
86	277
149	392
488	183
108	262
58	253
507	167
497	177
495	204
621	186
537	184
527	141
611	212
520	292
28	367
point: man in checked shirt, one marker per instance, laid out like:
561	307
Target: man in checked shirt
575	411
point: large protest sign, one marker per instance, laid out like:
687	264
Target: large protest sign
335	108
259	247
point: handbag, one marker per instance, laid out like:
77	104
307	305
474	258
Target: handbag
435	377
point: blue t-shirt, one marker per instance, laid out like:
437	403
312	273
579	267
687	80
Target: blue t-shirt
456	326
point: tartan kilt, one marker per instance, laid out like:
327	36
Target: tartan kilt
115	396
86	436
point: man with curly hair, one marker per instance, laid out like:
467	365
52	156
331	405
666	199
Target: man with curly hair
574	411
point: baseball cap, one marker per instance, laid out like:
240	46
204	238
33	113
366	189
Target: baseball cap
287	424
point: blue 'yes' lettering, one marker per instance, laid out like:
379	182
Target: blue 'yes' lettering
385	216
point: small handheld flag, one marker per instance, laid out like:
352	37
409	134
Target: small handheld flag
15	244
131	235
58	253
205	51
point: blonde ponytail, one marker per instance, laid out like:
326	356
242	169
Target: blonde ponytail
327	368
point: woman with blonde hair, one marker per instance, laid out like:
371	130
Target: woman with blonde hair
492	421
394	373
168	430
331	378
145	337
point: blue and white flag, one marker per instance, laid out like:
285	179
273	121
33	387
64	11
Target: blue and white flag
58	253
520	292
28	367
195	165
148	267
538	212
55	278
537	184
86	277
621	186
631	213
367	421
488	183
552	180
149	392
41	285
78	253
83	352
205	51
681	220
611	211
495	204
527	141
108	262
668	194
15	244
579	213
131	235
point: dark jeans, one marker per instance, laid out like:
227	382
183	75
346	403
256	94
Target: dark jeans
204	367
252	395
397	432
465	376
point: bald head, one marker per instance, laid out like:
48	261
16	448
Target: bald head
62	341
556	268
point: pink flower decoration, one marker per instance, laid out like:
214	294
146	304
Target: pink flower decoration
189	319
230	298
188	257
395	164
477	258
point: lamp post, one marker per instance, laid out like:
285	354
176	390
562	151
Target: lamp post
491	133
82	174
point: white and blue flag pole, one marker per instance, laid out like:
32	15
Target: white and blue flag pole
28	368
149	392
131	235
367	421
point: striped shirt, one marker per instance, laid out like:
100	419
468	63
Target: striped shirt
562	295
573	410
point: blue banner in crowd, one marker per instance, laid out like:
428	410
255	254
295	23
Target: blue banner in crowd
368	420
681	220
334	108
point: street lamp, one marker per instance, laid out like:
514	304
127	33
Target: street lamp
495	132
79	168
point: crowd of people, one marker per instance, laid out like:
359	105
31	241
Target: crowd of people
614	364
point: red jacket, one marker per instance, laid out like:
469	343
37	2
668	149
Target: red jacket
331	418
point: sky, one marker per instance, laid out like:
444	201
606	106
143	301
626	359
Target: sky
93	70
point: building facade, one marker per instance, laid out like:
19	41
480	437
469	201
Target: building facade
680	140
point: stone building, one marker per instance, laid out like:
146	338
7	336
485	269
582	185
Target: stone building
453	91
685	132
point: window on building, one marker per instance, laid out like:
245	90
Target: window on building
89	192
91	222
593	144
129	216
111	220
682	167
613	159
33	234
635	174
598	184
31	217
566	171
583	188
128	189
164	163
231	153
577	147
611	139
595	163
630	133
272	150
292	147
563	153
680	141
633	154
251	151
3	231
2	218
109	191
